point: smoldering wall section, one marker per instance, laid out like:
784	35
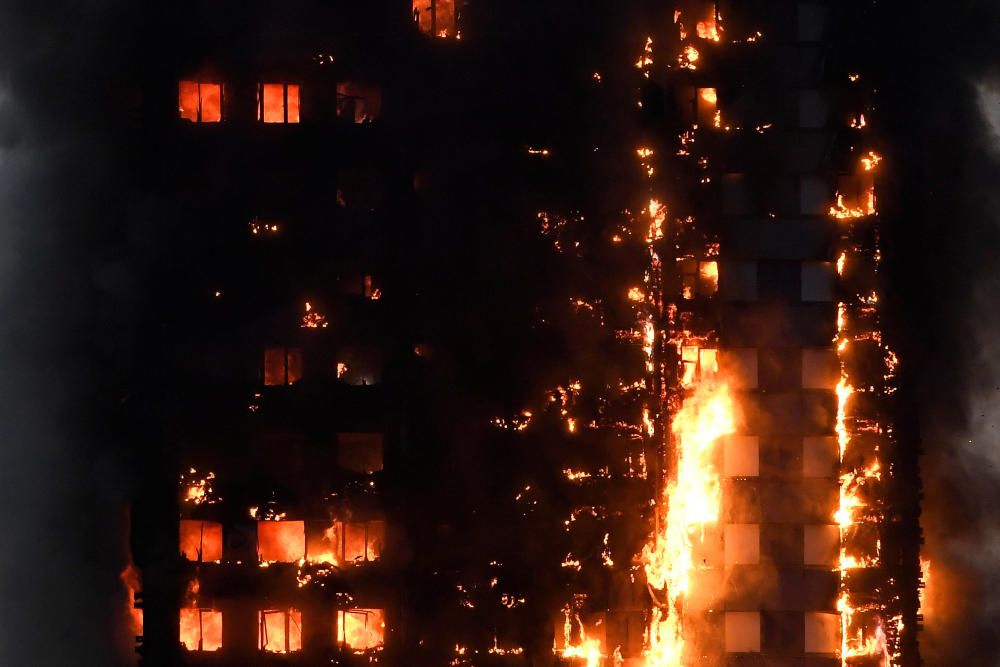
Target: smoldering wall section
62	481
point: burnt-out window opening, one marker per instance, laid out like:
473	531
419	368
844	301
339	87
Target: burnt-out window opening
279	631
278	103
358	103
698	278
360	629
282	366
360	452
371	289
200	102
201	629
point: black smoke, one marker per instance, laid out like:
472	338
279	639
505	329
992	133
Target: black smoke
939	106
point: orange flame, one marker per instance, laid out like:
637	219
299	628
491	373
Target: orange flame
691	500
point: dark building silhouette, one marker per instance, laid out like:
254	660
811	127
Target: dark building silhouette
439	284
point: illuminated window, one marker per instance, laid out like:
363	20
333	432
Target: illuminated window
282	366
363	541
742	632
740	367
201	541
278	103
698	363
820	456
707	105
358	103
279	631
820	369
741	456
698	278
742	544
361	629
201	629
200	102
821	545
281	541
345	543
822	632
360	452
325	542
435	17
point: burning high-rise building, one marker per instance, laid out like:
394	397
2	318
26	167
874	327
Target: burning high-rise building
472	363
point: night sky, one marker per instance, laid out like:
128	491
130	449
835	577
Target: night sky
78	262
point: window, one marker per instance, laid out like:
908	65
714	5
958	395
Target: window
278	103
201	629
821	545
822	632
812	21
281	541
279	631
698	363
820	369
814	196
817	281
739	281
345	543
361	629
370	288
742	632
740	367
741	456
698	278
819	456
200	102
435	17
358	103
707	105
201	541
742	544
363	541
282	366
360	452
812	109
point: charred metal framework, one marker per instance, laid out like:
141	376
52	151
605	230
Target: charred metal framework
344	474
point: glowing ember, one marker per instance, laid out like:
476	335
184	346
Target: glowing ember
313	319
657	216
198	490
